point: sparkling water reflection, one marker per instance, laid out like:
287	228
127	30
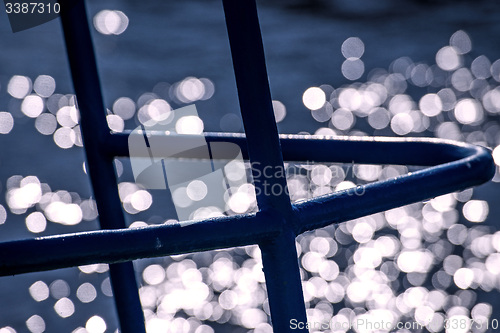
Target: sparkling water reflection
396	266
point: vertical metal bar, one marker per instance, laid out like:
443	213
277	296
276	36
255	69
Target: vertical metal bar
99	165
281	268
284	287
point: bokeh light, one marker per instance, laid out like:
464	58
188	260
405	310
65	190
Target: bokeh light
448	58
86	292
124	107
353	47
44	85
189	125
95	324
39	291
314	98
111	22
36	324
279	111
46	124
476	210
32	106
461	41
402	264
19	86
64	307
353	68
6	122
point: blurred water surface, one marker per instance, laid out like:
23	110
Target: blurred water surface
408	69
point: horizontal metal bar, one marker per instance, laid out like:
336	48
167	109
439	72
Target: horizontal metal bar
119	245
472	166
337	149
475	168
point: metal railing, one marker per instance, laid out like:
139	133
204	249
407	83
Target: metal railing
451	166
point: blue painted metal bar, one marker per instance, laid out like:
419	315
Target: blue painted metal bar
255	100
99	165
281	269
118	245
284	286
334	149
474	167
455	166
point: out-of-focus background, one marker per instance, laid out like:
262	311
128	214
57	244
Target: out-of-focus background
393	68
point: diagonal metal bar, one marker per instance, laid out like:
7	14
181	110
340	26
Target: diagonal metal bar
281	269
100	167
255	100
